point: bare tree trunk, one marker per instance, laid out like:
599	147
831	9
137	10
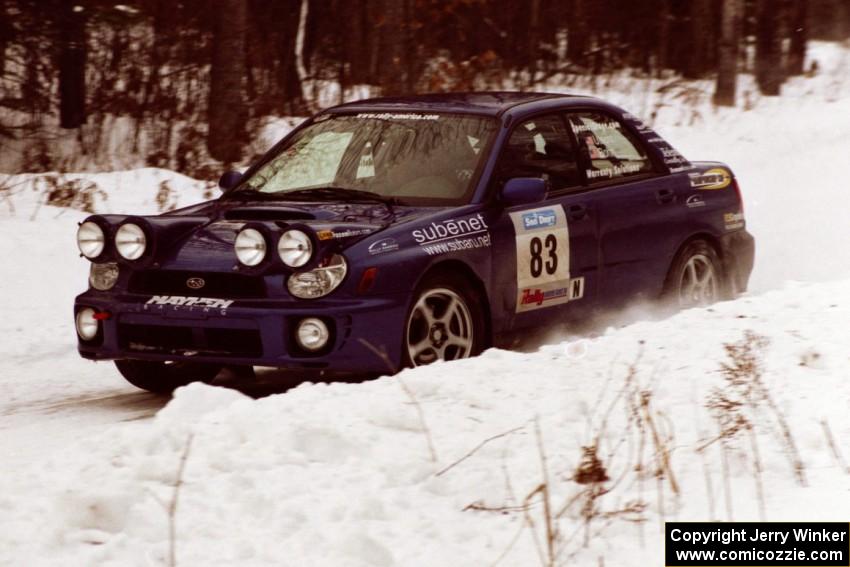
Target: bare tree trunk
727	67
292	99
159	54
72	64
5	34
799	36
300	38
376	44
395	69
356	49
577	32
226	111
769	75
701	30
664	18
533	40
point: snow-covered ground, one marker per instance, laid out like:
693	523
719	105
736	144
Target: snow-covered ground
351	474
344	474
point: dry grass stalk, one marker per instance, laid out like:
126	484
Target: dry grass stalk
836	453
172	508
735	405
477	448
661	451
380	353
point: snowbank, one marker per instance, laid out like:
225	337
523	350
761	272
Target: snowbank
148	190
342	474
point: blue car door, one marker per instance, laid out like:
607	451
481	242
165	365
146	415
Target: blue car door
545	261
639	215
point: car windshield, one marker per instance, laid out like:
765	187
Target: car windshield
406	158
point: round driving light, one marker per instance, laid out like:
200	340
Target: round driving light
86	324
90	240
130	241
250	246
312	334
295	248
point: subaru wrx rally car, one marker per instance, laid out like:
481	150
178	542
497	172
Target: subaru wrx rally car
394	232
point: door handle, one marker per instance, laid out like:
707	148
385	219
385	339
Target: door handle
665	196
577	212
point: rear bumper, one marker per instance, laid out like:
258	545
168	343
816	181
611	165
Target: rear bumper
251	332
739	251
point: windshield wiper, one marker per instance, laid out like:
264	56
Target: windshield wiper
318	193
247	194
343	193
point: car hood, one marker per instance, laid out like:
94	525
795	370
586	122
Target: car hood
209	246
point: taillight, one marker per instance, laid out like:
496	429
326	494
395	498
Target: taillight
738	192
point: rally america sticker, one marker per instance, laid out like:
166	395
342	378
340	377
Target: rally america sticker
543	259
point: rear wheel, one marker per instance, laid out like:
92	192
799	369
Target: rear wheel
444	323
165	377
695	278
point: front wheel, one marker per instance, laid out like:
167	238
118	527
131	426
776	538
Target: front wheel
695	278
444	323
165	377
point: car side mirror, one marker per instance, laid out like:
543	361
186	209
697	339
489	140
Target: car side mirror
523	191
229	180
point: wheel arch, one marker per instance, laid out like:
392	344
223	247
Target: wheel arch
456	267
713	240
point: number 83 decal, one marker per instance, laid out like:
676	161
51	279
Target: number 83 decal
543	257
537	263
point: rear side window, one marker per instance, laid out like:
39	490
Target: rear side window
541	147
609	151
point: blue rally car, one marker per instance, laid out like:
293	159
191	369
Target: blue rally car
400	231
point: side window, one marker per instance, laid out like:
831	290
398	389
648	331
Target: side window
541	147
607	148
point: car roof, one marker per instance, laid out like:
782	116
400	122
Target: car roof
491	103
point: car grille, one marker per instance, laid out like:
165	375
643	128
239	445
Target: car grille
162	339
171	282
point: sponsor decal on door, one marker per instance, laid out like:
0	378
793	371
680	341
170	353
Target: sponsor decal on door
543	259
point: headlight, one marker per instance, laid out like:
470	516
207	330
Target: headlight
250	246
103	276
130	241
295	248
86	324
319	281
90	240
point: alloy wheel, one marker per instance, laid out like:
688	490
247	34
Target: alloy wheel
439	328
698	283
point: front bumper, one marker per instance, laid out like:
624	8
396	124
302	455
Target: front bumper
249	332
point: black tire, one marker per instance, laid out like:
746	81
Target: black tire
447	328
165	377
695	278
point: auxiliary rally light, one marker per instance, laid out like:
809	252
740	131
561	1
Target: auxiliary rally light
312	334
